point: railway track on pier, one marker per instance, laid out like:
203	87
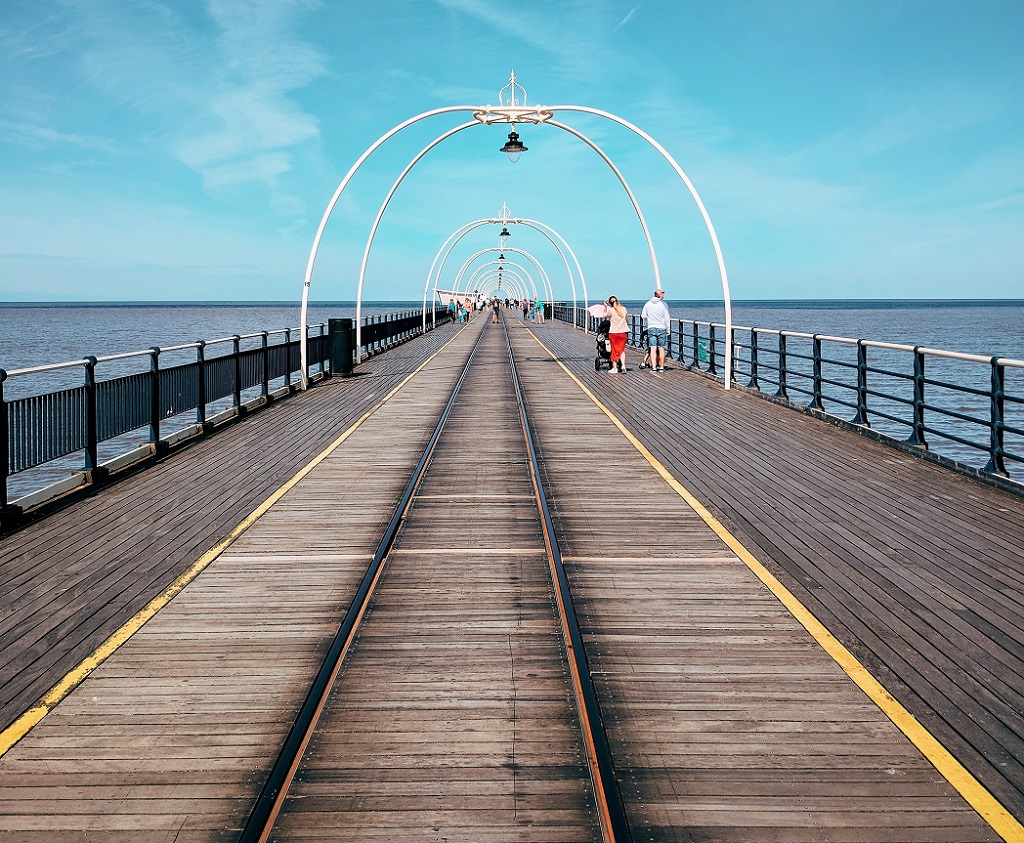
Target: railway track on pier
466	606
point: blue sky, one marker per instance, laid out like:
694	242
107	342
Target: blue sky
186	150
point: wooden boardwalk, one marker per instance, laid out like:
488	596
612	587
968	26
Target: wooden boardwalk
727	721
917	570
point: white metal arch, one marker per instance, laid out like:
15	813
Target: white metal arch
545	281
703	212
380	214
391	193
512	112
431	145
518	286
453	239
493	266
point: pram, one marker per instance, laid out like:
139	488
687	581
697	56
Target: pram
646	346
604	345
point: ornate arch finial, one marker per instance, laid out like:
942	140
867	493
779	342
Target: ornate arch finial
512	88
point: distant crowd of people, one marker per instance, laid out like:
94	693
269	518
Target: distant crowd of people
462	311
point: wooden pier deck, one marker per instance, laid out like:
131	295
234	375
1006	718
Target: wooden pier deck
726	719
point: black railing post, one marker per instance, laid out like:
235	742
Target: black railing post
733	356
862	385
816	374
5	443
154	396
236	350
201	402
92	430
265	345
288	357
917	437
323	356
712	368
998	390
696	346
752	383
783	389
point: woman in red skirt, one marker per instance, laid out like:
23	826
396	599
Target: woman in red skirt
617	333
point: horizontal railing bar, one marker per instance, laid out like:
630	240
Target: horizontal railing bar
883	415
951	437
952	387
126	354
48	367
934	352
842	340
956	414
896	399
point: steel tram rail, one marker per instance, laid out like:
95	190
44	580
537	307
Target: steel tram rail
615	827
602	769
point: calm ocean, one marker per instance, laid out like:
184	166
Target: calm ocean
35	334
38	334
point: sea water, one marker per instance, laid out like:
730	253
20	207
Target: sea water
39	334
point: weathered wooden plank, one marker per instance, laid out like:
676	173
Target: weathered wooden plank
697	672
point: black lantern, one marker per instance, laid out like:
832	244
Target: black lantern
514	148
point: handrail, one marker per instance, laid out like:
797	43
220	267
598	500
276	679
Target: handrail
55	424
962	418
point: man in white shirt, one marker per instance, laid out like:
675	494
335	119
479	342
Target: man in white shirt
659	320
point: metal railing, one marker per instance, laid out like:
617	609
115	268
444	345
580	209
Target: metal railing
966	407
44	428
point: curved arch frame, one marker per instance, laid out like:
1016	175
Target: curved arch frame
542	228
518	286
545	280
416	160
515	267
514	114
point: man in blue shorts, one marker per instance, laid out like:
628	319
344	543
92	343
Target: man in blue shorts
655	314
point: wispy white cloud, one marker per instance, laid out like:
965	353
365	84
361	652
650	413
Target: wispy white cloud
32	135
574	35
629	16
216	90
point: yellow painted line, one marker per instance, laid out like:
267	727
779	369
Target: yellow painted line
976	795
27	721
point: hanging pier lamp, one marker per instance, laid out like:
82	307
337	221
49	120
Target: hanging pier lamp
514	148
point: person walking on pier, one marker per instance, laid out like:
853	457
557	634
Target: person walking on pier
658	319
614	311
495	304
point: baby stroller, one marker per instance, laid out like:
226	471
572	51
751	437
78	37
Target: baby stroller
604	346
645	345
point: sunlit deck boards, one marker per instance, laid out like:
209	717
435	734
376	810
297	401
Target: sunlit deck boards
917	570
169	739
453	716
727	722
68	582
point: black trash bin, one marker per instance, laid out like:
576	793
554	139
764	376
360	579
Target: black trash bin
342	337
